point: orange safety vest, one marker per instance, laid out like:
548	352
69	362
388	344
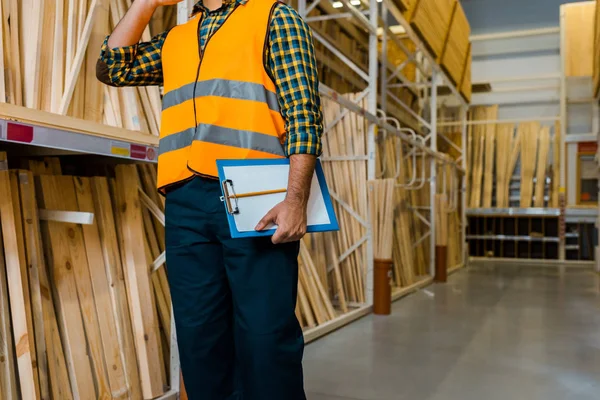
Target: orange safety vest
234	113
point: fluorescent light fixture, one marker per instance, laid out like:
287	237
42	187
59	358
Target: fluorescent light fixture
337	4
355	2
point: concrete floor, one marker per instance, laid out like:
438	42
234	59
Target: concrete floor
505	333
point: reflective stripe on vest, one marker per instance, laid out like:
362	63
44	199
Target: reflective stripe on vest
222	88
233	113
225	136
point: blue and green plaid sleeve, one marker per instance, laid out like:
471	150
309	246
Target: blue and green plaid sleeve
137	65
293	66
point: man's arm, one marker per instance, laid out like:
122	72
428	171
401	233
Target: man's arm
124	62
293	66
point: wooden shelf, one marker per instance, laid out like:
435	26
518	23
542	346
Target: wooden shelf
39	128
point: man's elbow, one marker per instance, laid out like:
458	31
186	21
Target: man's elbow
103	73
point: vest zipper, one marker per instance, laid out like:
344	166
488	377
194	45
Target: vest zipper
201	56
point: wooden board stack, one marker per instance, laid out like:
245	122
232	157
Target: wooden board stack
76	310
395	165
482	150
579	38
49	52
347	182
509	145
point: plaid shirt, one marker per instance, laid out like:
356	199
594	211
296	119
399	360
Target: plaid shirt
291	62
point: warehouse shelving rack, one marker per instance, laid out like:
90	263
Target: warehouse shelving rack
373	18
430	76
56	134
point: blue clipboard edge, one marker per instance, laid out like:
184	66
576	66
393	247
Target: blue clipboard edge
235	234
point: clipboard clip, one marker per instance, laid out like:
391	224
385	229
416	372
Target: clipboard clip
229	195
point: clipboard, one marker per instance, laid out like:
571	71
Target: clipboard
251	188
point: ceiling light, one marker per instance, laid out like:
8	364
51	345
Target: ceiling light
355	2
337	4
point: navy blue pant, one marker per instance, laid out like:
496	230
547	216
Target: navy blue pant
234	302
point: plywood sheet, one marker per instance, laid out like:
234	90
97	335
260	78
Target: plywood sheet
579	36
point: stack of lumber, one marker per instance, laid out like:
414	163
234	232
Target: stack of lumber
314	306
448	217
347	180
507	147
455	52
465	87
48	61
579	28
481	146
88	318
431	20
381	205
406	226
497	151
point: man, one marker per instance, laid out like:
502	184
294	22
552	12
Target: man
240	81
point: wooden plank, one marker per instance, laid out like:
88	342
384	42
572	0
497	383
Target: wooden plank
58	65
31	21
141	301
15	258
431	21
456	50
94	90
47	53
55	121
504	137
3	78
579	35
542	161
105	218
529	139
85	291
556	144
61	264
53	364
101	293
490	141
15	52
16	201
8	369
73	74
35	261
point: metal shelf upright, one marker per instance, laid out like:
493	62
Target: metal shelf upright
429	76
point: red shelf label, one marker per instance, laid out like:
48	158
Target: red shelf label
138	152
19	133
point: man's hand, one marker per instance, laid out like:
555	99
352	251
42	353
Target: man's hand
290	215
290	219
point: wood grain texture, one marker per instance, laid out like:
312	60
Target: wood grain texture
16	201
61	265
15	52
542	162
94	91
107	319
55	364
529	143
579	34
35	262
105	218
141	300
15	258
8	369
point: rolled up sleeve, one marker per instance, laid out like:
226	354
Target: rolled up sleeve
292	65
137	65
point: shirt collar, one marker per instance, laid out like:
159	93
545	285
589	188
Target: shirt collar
199	7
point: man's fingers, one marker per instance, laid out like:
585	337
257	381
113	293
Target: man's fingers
279	237
267	219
